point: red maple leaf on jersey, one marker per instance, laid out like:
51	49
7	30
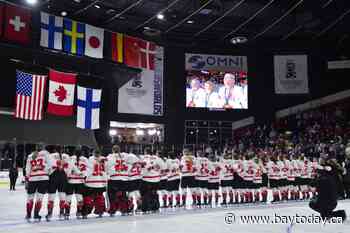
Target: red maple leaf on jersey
61	93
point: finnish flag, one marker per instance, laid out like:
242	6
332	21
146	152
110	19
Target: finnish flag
88	108
51	31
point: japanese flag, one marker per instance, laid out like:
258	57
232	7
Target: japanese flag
94	41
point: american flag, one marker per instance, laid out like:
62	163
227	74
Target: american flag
29	96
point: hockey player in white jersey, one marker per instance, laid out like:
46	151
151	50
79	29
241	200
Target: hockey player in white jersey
215	168
95	184
164	174
118	175
134	183
227	173
76	172
188	167
202	177
259	187
173	180
58	163
249	169
274	174
284	164
37	178
238	182
305	176
150	181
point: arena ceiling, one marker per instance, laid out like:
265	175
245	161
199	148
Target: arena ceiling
213	21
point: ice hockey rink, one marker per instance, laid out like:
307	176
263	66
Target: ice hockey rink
12	211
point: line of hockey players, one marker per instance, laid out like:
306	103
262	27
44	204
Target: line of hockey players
128	183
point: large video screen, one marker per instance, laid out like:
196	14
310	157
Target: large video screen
216	82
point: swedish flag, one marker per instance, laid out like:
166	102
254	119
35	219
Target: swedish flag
73	37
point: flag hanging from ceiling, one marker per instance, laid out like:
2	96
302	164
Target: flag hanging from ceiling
30	92
142	93
51	31
132	51
73	37
117	47
61	93
88	108
1	17
147	54
94	41
17	24
139	53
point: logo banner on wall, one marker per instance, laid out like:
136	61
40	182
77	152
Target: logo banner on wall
216	62
291	75
143	93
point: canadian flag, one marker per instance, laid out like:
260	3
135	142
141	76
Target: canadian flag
17	24
94	41
61	93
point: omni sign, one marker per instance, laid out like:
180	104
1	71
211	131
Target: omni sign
215	62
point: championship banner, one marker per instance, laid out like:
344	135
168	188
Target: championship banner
216	62
291	75
143	92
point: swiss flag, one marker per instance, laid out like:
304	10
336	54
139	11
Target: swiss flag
61	93
17	24
1	17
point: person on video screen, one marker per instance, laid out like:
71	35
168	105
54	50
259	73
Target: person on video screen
231	95
212	99
195	95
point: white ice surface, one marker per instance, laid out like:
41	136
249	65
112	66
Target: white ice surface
12	211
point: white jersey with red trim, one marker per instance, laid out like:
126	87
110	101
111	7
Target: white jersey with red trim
273	170
215	169
249	167
238	167
164	170
77	169
188	166
297	166
314	167
58	162
291	171
37	169
174	169
96	176
118	166
227	169
284	168
135	168
152	168
203	168
259	171
306	169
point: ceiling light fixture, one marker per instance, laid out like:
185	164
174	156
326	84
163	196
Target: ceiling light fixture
97	6
64	13
32	2
190	21
160	16
238	40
